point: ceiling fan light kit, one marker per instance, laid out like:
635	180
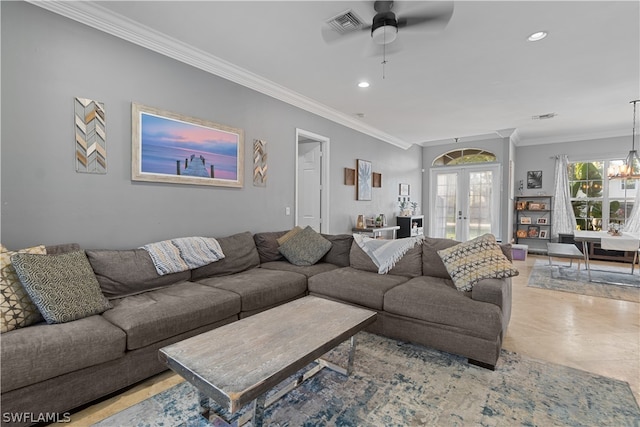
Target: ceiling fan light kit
384	34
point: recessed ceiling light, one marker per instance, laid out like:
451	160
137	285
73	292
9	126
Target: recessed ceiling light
363	84
537	36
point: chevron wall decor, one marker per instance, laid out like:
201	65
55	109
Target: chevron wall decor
259	163
91	138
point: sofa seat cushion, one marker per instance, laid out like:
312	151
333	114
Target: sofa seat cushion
157	315
307	270
355	286
260	288
435	300
41	351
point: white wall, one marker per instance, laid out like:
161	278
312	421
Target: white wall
48	60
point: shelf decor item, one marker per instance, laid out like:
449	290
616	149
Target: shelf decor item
541	220
533	231
537	206
522	234
521	206
169	147
543	234
525	220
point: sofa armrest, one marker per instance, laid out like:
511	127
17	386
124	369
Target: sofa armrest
495	291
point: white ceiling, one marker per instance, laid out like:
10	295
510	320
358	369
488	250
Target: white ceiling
478	77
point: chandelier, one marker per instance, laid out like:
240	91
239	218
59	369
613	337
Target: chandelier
630	169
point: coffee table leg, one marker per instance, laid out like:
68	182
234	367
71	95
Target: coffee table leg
352	355
258	411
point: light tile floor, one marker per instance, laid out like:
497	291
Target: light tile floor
598	335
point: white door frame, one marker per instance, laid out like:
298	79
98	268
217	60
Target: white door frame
463	192
302	134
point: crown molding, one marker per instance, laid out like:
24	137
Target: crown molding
575	137
100	18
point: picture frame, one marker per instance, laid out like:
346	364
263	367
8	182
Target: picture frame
522	234
533	231
525	220
364	184
534	179
543	234
404	190
214	152
521	206
349	176
541	220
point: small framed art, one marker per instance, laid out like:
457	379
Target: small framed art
541	221
525	220
543	234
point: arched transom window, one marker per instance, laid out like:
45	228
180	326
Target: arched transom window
464	156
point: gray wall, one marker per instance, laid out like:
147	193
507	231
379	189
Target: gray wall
542	157
47	60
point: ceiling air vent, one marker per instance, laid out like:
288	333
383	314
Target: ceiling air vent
345	22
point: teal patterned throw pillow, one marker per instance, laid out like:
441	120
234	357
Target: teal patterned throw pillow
305	248
63	287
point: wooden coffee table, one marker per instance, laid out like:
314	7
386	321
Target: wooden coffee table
238	363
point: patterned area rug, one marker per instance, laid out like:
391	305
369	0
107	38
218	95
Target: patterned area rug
571	280
400	384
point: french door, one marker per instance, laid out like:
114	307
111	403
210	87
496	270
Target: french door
465	201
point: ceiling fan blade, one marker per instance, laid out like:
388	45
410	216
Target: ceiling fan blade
435	18
330	35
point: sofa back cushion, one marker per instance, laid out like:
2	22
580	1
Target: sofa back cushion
240	254
122	273
340	248
267	245
432	264
410	265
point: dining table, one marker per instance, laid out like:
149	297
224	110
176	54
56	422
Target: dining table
623	241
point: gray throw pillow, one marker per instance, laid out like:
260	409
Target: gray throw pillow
63	287
305	248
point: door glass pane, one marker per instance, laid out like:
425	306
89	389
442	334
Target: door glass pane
480	199
444	212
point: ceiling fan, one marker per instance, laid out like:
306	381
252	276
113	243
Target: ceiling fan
385	24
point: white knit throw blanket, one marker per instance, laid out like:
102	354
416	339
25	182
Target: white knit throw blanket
184	253
385	253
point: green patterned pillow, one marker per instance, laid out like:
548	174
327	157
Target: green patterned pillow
477	259
63	287
305	247
16	308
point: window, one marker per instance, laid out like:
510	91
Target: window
464	156
598	201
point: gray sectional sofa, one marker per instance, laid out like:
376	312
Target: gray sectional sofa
56	368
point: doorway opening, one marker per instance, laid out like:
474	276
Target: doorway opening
312	181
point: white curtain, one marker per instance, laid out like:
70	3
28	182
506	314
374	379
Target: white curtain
633	222
564	220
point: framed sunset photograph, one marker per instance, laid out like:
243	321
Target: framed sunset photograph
170	147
